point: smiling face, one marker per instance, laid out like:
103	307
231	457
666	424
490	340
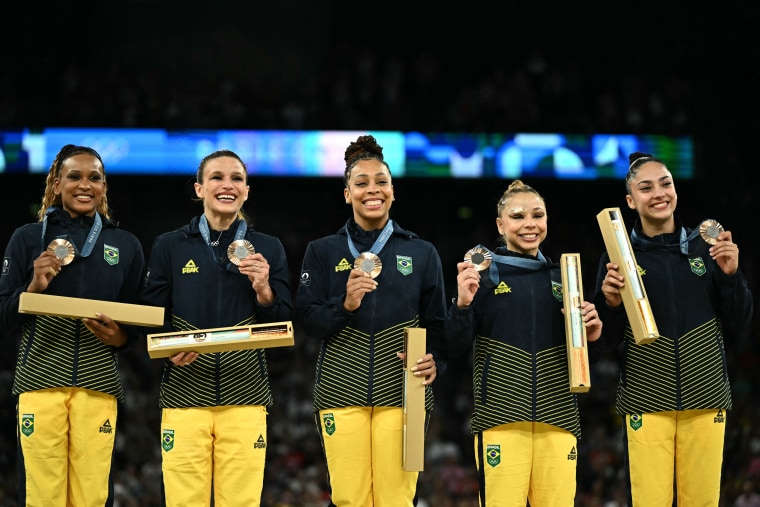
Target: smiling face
653	196
370	193
523	223
223	188
81	185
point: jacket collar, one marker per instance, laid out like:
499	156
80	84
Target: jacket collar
683	239
358	233
62	217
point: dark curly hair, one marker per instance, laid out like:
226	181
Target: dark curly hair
364	148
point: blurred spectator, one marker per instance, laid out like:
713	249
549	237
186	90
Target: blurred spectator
749	496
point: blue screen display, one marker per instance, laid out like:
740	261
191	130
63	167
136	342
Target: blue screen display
320	153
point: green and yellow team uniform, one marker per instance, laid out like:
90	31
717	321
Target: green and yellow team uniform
525	422
67	382
674	393
214	410
359	378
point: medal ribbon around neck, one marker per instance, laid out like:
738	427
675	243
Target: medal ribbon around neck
520	262
684	238
204	228
380	242
92	236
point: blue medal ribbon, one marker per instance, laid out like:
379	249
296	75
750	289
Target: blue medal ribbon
684	238
239	234
92	236
521	262
379	242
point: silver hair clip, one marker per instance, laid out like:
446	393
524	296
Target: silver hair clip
640	158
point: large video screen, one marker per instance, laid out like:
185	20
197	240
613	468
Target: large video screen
320	153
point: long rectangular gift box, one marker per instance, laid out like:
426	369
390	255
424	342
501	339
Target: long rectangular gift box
575	329
256	336
79	308
413	454
634	294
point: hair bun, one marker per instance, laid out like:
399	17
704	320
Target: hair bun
364	147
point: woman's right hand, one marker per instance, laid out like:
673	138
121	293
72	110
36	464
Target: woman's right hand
183	358
611	285
468	282
359	283
46	266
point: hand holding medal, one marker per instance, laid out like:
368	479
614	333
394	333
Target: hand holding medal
361	280
253	265
725	251
367	267
46	267
62	250
242	254
468	280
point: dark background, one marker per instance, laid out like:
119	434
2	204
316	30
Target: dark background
580	67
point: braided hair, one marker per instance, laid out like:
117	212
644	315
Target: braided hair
50	198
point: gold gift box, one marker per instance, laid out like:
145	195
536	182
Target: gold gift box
256	336
415	339
575	329
634	294
79	308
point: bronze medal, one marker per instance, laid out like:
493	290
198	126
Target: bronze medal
478	257
709	230
369	263
63	250
239	250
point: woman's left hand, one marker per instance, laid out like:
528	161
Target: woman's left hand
183	358
726	253
592	321
425	367
106	330
256	268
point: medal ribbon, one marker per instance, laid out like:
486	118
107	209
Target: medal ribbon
203	226
380	242
684	238
520	262
242	227
92	236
